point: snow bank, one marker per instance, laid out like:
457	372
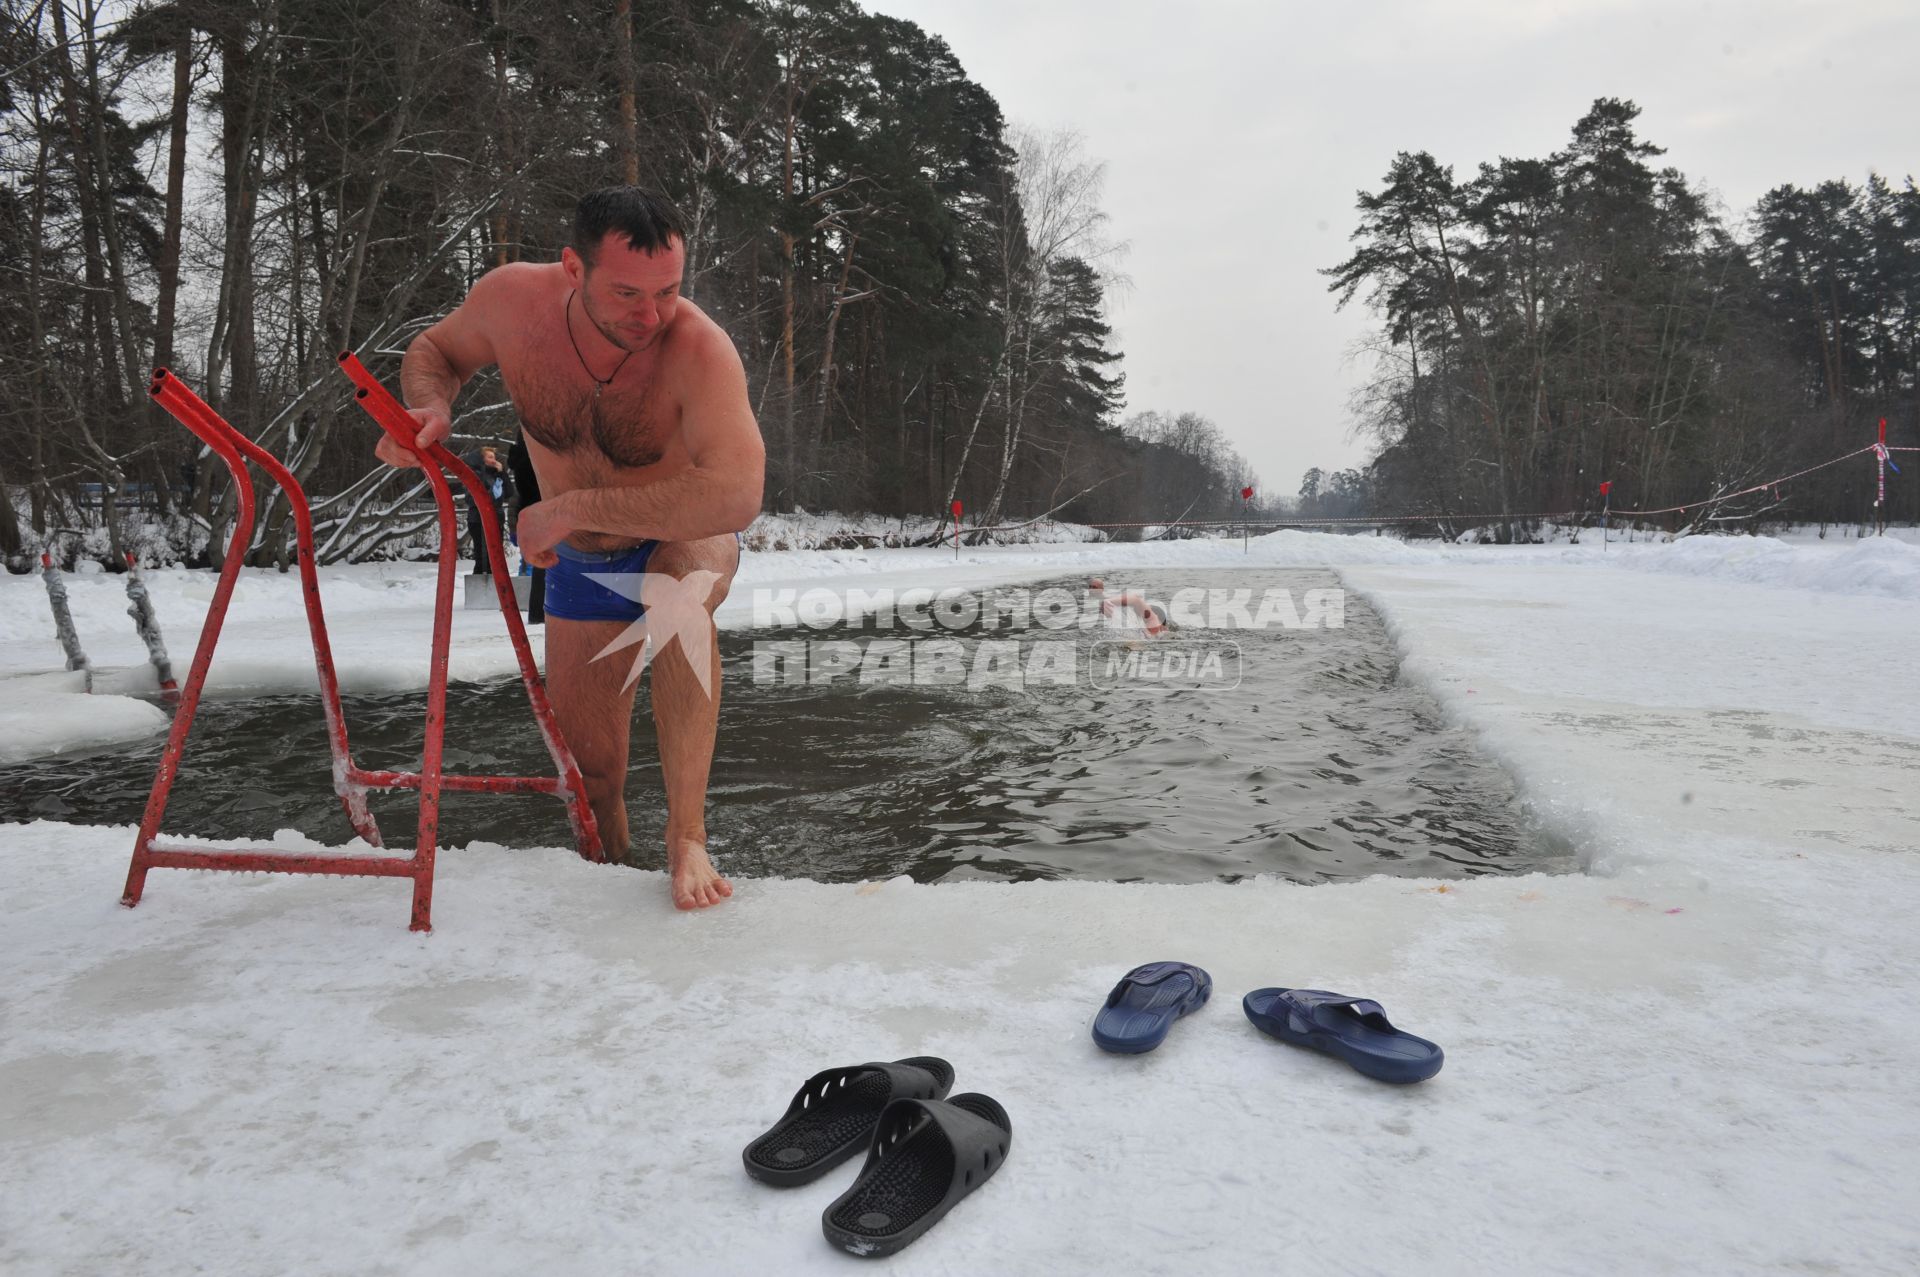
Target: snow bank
43	714
1885	566
1830	533
829	530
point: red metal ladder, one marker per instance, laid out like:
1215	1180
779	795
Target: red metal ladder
153	851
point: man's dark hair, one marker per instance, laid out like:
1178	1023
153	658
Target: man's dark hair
647	220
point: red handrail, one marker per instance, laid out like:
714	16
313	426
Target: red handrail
350	781
397	422
189	408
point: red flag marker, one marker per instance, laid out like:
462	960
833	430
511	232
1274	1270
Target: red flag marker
1880	491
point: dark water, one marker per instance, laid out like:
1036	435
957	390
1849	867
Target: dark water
1319	766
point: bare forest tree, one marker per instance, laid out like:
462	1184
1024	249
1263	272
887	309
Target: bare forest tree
240	190
1049	248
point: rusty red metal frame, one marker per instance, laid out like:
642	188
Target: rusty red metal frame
351	782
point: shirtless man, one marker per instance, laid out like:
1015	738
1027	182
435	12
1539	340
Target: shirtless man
634	408
1131	609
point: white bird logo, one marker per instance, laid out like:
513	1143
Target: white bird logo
676	612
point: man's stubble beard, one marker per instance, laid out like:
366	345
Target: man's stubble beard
614	335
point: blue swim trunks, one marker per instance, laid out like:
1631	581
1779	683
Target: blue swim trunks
571	596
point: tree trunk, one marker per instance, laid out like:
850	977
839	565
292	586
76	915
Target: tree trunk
824	395
503	230
789	431
232	363
1016	422
936	435
10	544
87	189
973	431
38	495
624	67
167	268
121	297
231	354
786	294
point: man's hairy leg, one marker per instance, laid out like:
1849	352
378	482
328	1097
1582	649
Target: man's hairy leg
594	714
687	716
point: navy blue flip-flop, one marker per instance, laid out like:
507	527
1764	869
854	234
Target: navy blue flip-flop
1146	1002
1351	1029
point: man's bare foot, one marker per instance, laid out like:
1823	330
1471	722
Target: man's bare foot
696	883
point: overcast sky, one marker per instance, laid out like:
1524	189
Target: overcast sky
1236	134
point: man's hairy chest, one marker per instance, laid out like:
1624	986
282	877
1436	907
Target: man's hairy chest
631	424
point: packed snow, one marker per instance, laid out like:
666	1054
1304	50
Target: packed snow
1694	1057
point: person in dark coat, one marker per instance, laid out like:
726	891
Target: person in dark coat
499	482
526	487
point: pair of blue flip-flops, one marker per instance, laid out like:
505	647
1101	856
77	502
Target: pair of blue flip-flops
1142	1008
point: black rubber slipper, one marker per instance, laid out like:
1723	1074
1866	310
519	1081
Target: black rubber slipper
832	1117
926	1156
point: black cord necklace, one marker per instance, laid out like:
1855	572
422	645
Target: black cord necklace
598	385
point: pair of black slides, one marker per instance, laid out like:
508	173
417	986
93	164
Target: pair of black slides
1143	1006
924	1151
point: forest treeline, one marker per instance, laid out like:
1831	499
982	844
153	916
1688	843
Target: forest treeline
239	190
1551	324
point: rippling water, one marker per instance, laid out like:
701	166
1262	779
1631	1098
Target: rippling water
1319	766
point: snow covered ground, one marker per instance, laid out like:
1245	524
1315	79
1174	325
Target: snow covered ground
1694	1058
